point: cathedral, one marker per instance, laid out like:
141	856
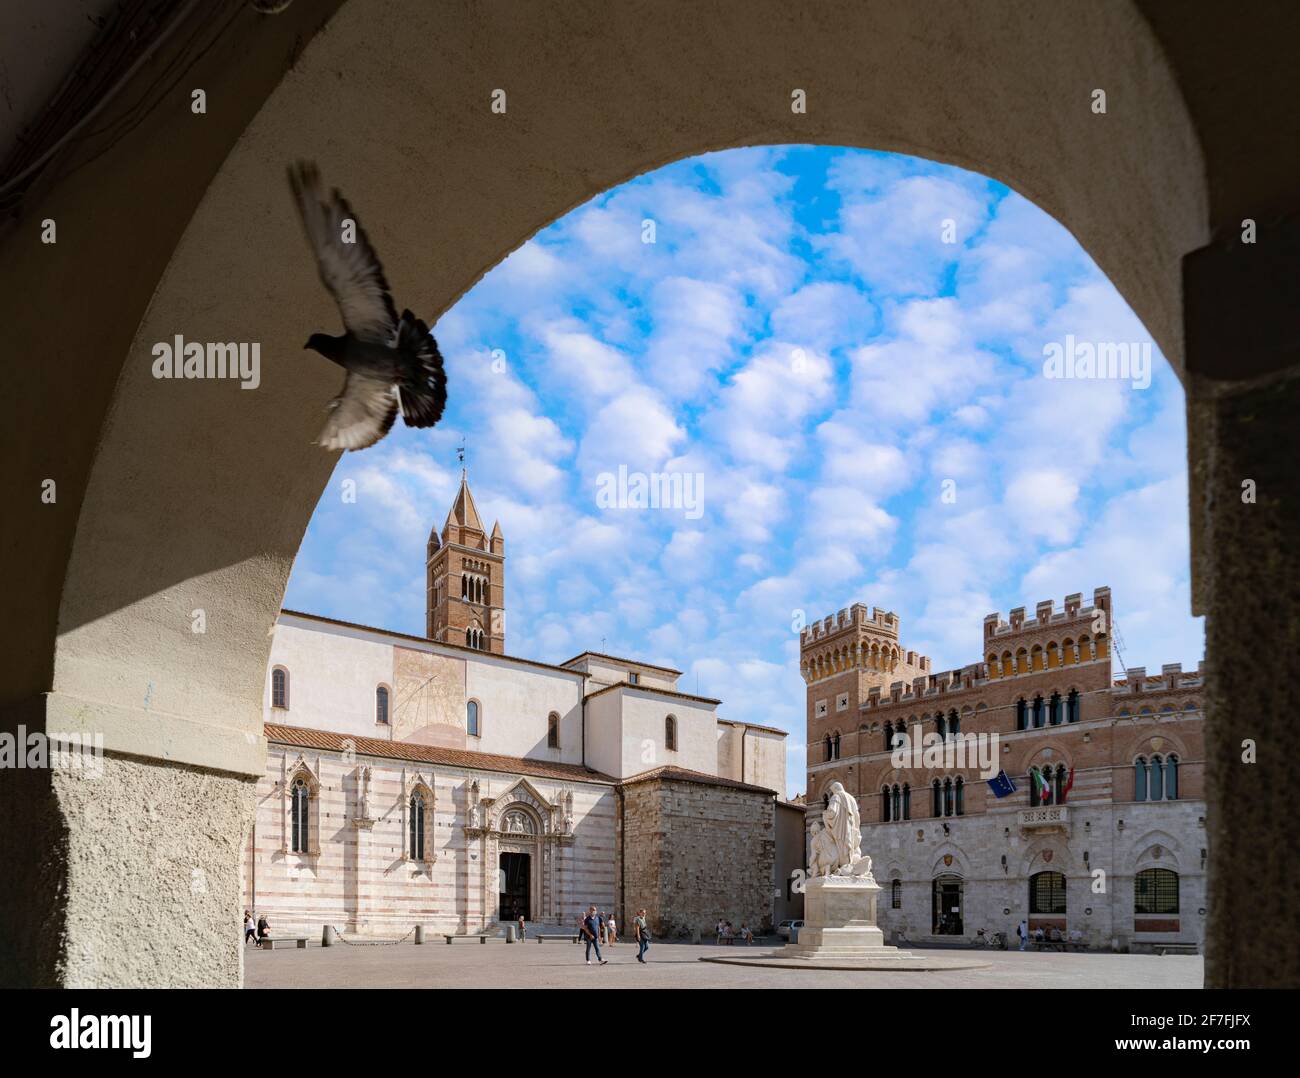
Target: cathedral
438	780
1076	803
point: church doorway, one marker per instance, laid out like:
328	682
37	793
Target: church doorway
946	918
513	887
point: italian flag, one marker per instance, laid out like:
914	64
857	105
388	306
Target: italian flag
1044	788
1069	781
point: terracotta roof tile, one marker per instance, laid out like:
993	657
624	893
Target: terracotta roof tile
329	741
682	774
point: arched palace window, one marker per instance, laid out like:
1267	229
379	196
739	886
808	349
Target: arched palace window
1156	779
1155	890
472	726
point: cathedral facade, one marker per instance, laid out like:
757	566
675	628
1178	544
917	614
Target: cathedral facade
437	780
1093	823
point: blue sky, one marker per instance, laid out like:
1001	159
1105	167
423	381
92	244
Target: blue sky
800	335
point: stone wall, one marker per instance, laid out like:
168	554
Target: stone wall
694	852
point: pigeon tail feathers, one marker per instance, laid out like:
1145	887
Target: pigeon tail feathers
423	386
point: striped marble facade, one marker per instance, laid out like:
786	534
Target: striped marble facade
358	873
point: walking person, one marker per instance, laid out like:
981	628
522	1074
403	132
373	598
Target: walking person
521	927
611	930
1022	930
250	928
591	929
642	934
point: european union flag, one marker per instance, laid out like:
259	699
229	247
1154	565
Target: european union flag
1001	785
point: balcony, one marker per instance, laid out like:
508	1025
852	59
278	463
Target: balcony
1047	818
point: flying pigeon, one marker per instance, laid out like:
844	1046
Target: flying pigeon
391	362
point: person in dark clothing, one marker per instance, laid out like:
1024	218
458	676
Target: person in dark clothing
591	930
642	935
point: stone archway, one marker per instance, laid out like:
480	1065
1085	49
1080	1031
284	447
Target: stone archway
184	497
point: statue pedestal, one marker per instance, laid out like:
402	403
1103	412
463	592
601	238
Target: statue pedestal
840	921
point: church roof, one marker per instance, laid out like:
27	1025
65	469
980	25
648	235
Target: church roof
653	690
464	512
616	659
330	741
683	774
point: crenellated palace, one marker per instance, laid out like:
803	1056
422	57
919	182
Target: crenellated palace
1094	821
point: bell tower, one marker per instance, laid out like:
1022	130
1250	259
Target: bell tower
465	574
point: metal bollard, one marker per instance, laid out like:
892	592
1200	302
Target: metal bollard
419	933
325	940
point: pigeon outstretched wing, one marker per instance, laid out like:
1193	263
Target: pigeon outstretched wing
361	414
350	270
423	388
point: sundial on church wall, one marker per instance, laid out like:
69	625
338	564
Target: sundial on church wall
430	696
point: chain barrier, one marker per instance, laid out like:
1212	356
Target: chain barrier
370	943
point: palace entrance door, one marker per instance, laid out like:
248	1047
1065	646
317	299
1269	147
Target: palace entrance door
946	919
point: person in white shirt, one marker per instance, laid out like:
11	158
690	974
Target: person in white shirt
250	928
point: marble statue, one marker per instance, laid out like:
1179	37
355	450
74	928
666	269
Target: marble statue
363	798
843	826
821	851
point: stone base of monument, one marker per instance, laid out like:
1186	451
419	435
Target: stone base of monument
839	914
840	932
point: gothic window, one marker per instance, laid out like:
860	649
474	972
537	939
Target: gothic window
936	804
961	796
472	719
828	747
1155	890
1060	782
885	805
954	723
417	827
907	802
280	688
896	894
1171	777
1072	706
1140	779
1040	787
1054	709
1155	777
898	802
300	804
1047	893
1038	712
553	731
947	797
835	745
889	736
1022	722
381	705
940	727
670	733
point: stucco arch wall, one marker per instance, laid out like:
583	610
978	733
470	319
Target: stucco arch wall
199	493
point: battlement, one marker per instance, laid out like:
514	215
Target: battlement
1136	681
877	621
1045	616
946	682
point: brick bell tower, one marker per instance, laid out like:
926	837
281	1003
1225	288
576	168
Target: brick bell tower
466	579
